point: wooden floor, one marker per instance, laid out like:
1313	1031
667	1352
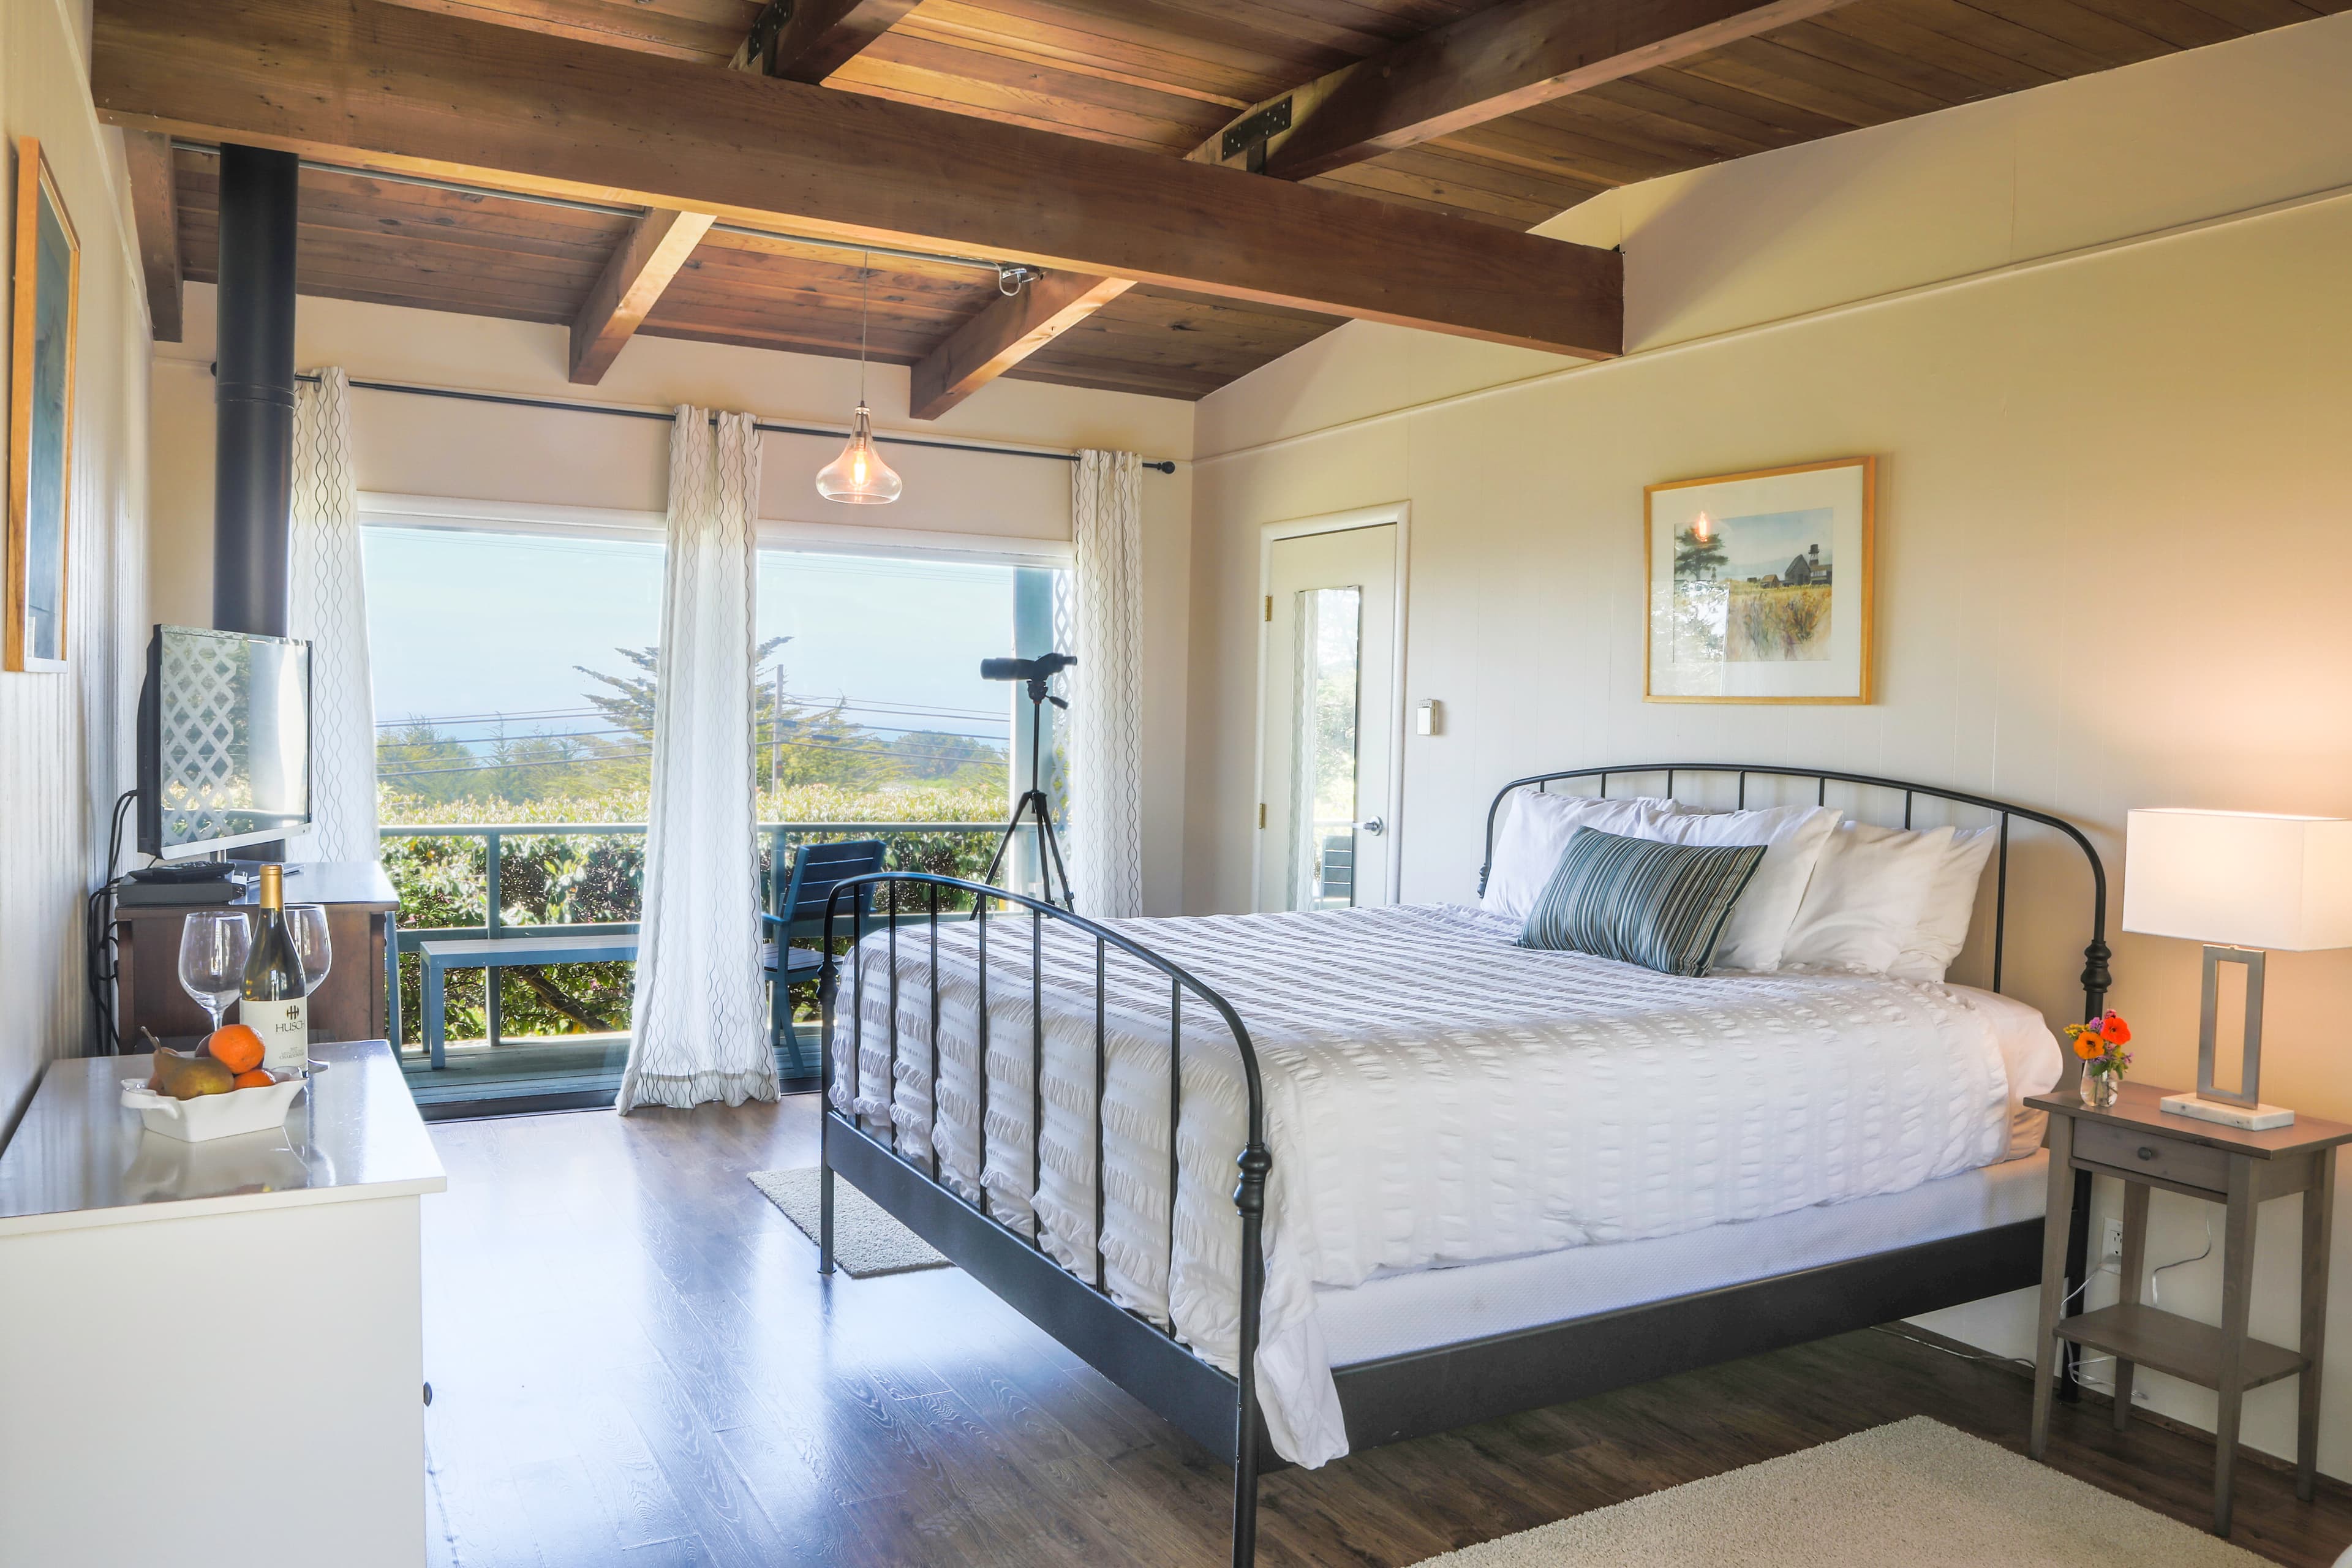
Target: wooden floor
634	1362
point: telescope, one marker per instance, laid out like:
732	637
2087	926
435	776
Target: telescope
1044	666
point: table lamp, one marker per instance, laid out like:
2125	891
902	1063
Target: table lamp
2243	883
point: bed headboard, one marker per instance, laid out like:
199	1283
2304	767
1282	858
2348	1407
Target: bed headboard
2096	977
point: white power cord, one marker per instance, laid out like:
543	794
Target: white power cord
2085	1362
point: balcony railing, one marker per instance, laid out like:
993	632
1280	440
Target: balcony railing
775	843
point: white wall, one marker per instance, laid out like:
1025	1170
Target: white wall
2114	525
469	451
65	738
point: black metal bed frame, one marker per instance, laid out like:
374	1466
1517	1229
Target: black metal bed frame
1401	1396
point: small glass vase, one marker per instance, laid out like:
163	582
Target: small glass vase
2100	1090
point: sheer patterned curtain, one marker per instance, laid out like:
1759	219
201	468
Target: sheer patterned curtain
326	603
1107	690
699	1020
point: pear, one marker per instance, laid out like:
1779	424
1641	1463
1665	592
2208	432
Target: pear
164	1057
186	1077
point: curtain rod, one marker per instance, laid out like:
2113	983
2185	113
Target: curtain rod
1162	466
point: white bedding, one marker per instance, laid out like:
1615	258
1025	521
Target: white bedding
1435	1094
1396	1314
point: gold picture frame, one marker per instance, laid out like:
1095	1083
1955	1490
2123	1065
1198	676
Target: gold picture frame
46	294
1760	585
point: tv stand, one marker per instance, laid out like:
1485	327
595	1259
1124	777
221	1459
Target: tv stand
350	1005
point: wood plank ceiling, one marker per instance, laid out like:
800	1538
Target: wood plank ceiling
1165	75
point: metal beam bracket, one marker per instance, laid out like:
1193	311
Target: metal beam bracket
1250	133
761	48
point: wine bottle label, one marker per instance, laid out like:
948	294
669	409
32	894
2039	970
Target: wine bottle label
285	1030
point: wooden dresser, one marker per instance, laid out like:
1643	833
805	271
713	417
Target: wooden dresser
359	902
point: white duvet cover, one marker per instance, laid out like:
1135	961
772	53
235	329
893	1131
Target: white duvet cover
1435	1094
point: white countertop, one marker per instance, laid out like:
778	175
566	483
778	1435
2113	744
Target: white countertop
80	1159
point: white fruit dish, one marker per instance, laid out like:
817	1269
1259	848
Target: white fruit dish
209	1116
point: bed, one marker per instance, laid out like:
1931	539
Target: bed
1473	1178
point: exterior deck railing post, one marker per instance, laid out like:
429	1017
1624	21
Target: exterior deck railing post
493	852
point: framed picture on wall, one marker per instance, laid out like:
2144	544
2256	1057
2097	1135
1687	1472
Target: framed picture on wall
46	282
1760	584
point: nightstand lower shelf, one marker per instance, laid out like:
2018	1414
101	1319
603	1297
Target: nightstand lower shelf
2165	1341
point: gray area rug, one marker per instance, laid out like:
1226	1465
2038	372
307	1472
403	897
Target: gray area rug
866	1240
1915	1493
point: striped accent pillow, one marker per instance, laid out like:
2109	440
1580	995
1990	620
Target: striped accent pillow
1662	906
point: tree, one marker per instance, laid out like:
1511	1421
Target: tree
1697	554
792	743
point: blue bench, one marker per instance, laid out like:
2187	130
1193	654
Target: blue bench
531	951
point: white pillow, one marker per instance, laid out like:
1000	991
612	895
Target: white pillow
1793	836
1534	836
1863	903
1950	908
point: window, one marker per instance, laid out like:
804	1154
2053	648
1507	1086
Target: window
515	688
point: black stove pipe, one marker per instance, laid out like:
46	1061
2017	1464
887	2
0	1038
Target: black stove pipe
254	390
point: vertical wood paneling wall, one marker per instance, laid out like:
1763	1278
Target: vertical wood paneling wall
66	739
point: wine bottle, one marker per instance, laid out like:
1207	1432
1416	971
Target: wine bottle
273	1005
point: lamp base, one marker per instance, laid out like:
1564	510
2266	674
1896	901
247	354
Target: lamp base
2252	1119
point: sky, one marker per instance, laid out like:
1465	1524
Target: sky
1761	544
463	623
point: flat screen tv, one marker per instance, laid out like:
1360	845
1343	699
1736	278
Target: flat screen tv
224	741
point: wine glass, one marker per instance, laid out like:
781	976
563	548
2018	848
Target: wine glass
308	924
213	947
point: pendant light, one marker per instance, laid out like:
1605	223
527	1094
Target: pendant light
859	476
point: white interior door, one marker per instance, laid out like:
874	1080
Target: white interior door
1327	727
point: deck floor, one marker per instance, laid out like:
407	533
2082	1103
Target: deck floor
634	1362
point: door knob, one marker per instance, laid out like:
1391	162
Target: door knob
1375	827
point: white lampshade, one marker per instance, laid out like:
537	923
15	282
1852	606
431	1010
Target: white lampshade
2239	878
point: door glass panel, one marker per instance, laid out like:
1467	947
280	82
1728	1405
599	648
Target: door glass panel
1323	789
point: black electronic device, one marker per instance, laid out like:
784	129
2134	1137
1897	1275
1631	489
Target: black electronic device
182	872
224	741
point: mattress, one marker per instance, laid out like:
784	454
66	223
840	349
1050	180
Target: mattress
1434	1095
1422	1309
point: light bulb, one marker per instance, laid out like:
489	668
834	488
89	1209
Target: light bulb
859	476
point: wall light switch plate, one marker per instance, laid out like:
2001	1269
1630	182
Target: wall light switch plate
1424	720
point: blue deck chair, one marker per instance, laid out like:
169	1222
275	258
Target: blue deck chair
799	916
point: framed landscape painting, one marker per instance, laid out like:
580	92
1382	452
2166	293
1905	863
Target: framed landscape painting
1760	584
47	279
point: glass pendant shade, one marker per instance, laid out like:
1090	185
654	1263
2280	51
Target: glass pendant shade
859	476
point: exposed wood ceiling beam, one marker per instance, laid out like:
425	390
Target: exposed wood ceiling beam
155	211
360	82
1007	330
820	37
646	25
645	261
1482	67
1491	63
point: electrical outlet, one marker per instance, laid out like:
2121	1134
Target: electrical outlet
2111	1242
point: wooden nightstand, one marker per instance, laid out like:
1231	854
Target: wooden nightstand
2146	1148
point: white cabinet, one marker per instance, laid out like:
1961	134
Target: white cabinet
211	1354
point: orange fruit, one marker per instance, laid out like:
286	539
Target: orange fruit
258	1079
236	1047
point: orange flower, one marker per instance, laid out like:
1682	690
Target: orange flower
2116	1032
2089	1046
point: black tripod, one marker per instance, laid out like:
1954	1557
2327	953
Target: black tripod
1034	805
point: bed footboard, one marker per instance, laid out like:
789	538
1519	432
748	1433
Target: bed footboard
1142	1357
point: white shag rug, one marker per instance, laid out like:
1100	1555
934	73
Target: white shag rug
865	1240
1915	1494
